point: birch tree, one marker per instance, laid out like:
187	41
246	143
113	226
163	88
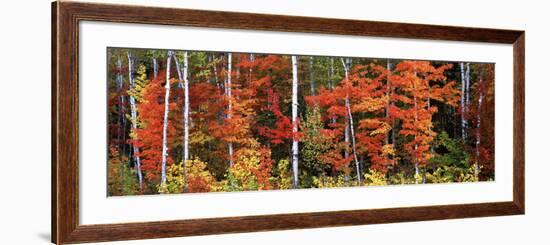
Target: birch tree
467	96
184	84
330	82
229	103
251	58
390	103
478	129
186	108
294	122
133	112
462	100
165	123
416	162
311	76
122	113
350	126
121	109
155	67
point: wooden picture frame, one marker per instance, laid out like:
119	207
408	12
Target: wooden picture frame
65	121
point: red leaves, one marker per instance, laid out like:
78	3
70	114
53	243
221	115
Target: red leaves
419	82
149	135
336	160
282	130
256	115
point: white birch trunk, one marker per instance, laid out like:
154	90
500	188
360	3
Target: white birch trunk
351	126
184	84
311	76
251	58
186	108
353	142
388	89
346	135
165	124
416	171
294	122
121	111
467	97
462	100
215	67
478	134
430	128
121	116
134	118
229	106
330	84
155	68
331	73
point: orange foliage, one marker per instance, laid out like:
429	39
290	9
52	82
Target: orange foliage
149	134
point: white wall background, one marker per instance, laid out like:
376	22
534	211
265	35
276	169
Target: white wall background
25	122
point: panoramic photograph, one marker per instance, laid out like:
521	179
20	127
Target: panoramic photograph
208	121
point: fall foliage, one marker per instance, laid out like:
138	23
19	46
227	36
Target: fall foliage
192	121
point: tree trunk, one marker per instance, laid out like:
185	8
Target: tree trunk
294	122
229	106
121	115
331	74
416	171
251	58
353	141
350	125
330	84
165	124
424	175
462	100
184	84
388	95
186	107
311	77
134	118
215	67
478	133
467	97
155	68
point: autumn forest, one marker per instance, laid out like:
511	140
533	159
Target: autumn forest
194	121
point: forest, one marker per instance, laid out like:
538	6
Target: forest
201	121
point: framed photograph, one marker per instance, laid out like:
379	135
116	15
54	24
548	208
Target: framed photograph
173	122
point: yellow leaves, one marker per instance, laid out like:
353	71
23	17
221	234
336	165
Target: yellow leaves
383	128
247	160
388	150
331	182
378	126
114	163
195	176
251	169
199	138
375	178
285	177
369	123
174	179
139	84
370	104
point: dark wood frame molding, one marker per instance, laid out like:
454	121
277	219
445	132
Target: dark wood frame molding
65	138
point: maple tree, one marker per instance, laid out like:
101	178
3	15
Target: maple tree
419	84
148	137
194	121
